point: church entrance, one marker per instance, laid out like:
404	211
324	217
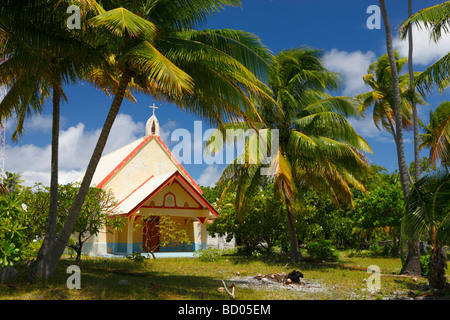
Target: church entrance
150	238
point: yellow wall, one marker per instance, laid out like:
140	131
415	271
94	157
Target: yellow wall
151	159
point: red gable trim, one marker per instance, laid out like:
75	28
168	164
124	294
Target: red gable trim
133	191
123	162
178	175
132	153
175	160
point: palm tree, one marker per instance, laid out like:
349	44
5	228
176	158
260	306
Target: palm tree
402	166
11	182
152	47
434	19
428	212
316	147
412	264
381	97
436	135
39	57
413	103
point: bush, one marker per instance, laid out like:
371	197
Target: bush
322	250
210	254
136	257
12	217
424	265
384	251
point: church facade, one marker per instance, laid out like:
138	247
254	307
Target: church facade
150	186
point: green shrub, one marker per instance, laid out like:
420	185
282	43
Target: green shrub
210	254
136	257
424	265
322	250
12	217
375	250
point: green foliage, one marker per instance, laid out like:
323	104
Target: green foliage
209	254
167	230
436	135
136	257
262	226
376	217
12	182
8	253
30	251
12	218
380	251
171	232
94	214
317	217
322	250
424	265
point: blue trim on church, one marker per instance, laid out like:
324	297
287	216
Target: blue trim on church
121	247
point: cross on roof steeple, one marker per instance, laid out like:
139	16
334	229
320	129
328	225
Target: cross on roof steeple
152	125
153	107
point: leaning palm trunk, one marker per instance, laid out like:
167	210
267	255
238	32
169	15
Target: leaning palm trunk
46	266
412	265
403	168
413	102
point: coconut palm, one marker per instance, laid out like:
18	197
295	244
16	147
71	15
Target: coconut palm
402	166
434	19
152	48
315	146
12	181
37	63
381	96
436	135
427	211
415	116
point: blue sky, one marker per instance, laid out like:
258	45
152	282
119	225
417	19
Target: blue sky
338	27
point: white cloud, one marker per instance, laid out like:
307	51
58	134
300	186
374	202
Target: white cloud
209	176
75	149
366	128
352	66
425	50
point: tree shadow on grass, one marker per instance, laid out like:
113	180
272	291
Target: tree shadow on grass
116	280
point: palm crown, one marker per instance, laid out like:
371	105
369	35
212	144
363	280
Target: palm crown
315	145
381	96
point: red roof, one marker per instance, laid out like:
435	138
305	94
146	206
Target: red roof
136	150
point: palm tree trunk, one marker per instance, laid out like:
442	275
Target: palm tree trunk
46	267
412	265
413	103
438	264
50	233
403	168
295	253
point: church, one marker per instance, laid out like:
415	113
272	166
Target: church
149	185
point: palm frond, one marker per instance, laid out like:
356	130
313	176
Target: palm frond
123	22
435	18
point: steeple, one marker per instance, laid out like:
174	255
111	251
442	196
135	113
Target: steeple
152	126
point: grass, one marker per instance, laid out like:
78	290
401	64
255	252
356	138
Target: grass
195	279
